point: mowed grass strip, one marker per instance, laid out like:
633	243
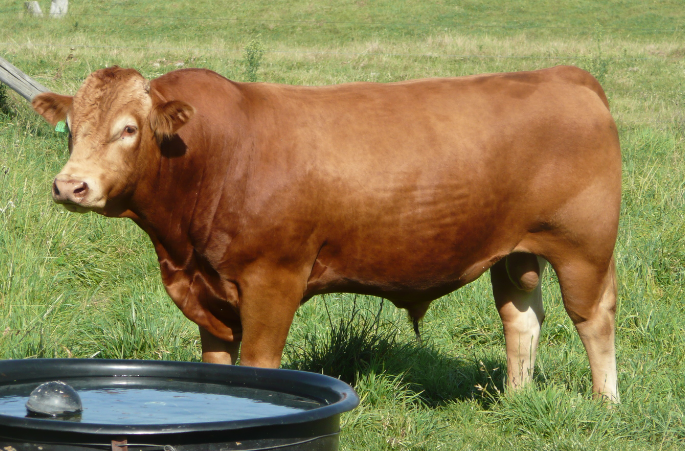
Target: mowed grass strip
85	286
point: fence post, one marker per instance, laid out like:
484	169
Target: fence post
26	86
58	8
33	9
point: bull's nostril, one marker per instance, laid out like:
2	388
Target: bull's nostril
69	191
80	190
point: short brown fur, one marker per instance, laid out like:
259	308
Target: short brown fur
260	196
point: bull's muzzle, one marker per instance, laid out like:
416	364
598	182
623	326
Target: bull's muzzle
69	191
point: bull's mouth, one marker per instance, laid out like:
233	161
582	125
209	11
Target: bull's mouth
79	207
75	208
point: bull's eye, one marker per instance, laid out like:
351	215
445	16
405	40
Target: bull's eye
129	130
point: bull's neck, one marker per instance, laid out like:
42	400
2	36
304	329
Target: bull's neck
169	201
194	191
197	180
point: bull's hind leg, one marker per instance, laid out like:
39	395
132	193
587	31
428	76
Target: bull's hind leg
589	294
518	296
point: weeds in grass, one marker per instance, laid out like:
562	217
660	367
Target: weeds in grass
354	344
5	107
598	64
129	333
252	58
550	412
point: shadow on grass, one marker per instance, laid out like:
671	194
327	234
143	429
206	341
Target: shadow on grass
358	345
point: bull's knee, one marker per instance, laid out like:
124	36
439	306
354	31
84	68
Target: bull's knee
523	271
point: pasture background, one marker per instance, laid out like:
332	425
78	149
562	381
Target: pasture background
85	286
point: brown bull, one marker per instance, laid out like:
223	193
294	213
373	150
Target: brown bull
259	196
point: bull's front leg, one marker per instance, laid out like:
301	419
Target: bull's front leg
192	293
269	298
216	350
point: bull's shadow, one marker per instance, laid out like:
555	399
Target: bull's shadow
358	345
173	147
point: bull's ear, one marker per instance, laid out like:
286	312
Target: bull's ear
53	107
167	118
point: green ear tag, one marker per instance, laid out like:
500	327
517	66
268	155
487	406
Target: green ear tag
61	127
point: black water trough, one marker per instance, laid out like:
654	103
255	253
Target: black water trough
171	406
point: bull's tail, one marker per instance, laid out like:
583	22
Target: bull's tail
415	323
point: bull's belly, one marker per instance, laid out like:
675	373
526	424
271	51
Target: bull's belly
402	295
406	274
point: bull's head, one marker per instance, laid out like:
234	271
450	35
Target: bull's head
115	127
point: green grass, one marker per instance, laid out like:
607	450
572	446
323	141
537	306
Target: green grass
85	286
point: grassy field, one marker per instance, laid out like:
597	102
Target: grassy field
85	286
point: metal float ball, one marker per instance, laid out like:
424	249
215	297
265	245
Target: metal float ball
54	399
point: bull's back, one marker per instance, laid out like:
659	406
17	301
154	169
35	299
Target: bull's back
381	138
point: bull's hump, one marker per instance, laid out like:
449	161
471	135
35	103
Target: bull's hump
195	82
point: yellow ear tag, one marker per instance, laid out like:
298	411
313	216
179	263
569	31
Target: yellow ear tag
61	127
